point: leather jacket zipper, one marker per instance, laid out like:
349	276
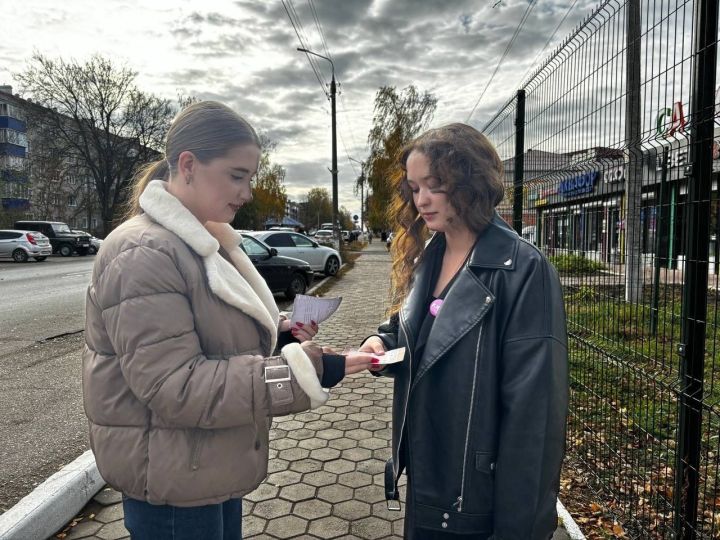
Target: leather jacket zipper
460	499
407	399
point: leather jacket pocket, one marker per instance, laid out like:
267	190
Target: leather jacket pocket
481	494
485	462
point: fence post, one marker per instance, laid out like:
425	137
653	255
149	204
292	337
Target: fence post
633	137
519	162
694	309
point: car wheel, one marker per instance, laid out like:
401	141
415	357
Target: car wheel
66	250
39	259
297	286
332	266
92	250
19	256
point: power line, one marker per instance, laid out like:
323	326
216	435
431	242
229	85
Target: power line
304	46
319	28
522	79
530	7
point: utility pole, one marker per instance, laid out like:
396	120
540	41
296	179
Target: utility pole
334	170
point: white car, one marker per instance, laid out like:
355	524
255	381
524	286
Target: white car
291	244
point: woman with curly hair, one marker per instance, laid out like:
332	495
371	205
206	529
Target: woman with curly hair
480	399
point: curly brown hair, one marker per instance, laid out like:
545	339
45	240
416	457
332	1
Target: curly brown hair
467	166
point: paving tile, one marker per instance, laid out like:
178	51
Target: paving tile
264	492
320	478
339	466
352	510
355	479
306	465
329	527
371	528
312	509
272	509
286	527
298	492
335	493
113	531
253	525
108	496
110	513
83	530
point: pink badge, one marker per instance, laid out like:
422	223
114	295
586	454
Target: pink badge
435	306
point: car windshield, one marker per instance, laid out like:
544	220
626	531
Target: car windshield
60	228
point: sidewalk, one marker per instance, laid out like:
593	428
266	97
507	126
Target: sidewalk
325	476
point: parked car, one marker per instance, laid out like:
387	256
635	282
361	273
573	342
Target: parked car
324	236
282	274
95	243
63	240
291	244
21	245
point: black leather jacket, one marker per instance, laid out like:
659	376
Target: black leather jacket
484	410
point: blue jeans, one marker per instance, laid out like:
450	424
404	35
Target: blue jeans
147	521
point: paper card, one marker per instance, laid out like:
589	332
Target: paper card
392	357
311	308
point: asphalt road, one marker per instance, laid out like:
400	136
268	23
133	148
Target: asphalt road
43	426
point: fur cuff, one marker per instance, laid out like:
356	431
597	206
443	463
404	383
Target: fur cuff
304	371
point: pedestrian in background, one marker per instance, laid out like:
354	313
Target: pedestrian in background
480	400
180	382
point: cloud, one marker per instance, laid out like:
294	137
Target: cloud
243	53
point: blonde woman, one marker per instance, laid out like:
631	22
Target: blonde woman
179	378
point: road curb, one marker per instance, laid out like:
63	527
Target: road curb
568	522
52	504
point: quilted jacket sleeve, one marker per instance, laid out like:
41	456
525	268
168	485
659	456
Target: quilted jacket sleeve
143	301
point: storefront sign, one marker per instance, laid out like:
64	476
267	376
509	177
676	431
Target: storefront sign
677	120
578	185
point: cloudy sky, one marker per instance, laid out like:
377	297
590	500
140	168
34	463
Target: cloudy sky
243	53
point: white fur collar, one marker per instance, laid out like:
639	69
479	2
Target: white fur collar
242	286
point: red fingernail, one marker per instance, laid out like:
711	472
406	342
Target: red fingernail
374	360
300	324
313	323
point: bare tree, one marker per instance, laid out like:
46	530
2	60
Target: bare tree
101	117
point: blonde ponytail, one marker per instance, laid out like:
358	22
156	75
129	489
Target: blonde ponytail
158	169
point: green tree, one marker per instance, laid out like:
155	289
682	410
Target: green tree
316	208
397	119
269	195
103	118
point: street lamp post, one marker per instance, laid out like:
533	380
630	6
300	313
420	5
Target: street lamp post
362	190
334	170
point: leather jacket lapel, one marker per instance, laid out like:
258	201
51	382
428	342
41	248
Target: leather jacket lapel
466	303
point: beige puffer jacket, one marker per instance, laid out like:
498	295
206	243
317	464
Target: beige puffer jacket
177	342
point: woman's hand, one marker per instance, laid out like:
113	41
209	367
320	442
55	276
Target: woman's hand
301	332
357	361
373	345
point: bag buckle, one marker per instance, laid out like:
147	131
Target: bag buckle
276	374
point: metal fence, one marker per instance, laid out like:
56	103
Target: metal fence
612	170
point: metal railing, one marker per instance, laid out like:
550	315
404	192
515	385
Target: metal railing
612	170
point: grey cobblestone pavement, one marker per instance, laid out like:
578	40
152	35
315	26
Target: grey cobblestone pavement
325	474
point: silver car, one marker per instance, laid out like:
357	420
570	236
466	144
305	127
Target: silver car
291	244
21	245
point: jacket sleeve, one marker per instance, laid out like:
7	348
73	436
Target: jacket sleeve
533	404
150	324
388	334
